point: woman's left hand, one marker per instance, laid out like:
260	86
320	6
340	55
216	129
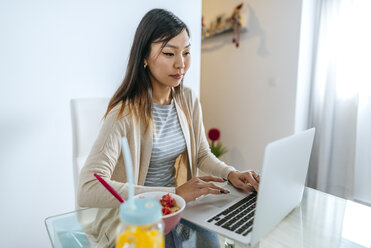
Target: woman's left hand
247	180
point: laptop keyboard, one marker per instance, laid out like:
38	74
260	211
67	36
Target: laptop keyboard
239	217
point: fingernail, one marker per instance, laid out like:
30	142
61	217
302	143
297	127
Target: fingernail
224	191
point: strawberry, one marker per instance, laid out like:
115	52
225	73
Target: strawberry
166	211
167	201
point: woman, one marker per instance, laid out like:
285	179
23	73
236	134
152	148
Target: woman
162	121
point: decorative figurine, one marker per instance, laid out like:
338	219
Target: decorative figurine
236	24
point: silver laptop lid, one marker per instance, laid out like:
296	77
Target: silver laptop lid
282	183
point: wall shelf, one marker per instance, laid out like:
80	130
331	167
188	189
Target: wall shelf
223	26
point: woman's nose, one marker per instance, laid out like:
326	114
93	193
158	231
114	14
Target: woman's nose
179	63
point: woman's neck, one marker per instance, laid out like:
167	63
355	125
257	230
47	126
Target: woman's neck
161	96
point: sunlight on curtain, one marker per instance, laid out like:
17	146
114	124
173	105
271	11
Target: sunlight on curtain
362	72
341	81
352	49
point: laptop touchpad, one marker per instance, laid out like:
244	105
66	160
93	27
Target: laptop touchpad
214	201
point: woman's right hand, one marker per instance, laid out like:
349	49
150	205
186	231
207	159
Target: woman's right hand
199	186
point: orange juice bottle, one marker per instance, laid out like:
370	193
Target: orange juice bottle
141	225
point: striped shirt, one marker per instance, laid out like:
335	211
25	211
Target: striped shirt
168	144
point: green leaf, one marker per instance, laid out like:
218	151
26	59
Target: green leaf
217	149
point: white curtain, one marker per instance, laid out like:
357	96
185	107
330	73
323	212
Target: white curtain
340	103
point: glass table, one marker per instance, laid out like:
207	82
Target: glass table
65	230
321	220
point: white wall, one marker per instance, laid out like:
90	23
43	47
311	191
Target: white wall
50	52
249	92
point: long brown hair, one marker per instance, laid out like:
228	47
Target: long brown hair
135	92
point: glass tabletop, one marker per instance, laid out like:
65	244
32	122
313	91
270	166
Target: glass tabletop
322	220
66	230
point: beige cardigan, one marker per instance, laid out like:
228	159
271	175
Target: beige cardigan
106	160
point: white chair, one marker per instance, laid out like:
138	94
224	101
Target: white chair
87	115
66	230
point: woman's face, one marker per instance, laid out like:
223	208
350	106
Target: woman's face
168	65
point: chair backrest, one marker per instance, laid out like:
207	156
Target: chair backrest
87	118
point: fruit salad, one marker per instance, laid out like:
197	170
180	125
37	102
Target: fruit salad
169	205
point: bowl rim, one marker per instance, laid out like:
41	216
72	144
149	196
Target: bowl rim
165	193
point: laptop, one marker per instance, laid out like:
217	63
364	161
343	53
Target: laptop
246	218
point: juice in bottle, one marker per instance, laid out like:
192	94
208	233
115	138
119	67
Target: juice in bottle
141	223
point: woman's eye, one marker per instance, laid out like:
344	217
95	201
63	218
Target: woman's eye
169	54
187	53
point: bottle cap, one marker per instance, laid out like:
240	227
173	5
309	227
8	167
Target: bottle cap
142	212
